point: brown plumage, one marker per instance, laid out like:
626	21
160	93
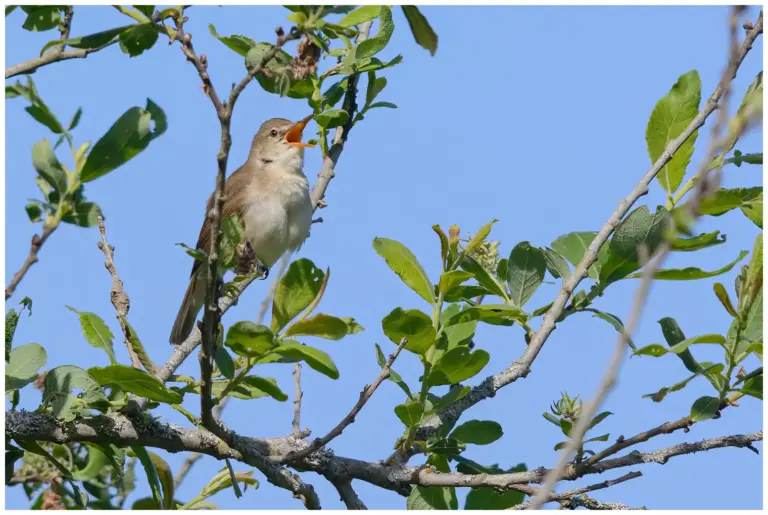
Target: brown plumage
270	195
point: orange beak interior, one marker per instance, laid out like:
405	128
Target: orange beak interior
293	136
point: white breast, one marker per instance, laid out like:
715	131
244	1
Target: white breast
279	215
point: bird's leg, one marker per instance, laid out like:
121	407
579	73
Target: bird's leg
247	261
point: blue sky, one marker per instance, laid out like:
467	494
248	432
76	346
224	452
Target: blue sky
532	115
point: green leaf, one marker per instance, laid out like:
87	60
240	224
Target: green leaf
152	476
249	340
34	212
662	393
296	290
525	272
691	273
754	387
134	381
96	332
556	264
332	118
704	408
724	200
411	324
572	247
429	498
266	385
58	386
614	321
478	432
495	314
85	214
393	376
42	17
725	300
656	349
320	325
245	389
10	9
754	210
402	261
165	477
457	365
449	280
45	162
224	362
422	31
23	363
598	418
482	277
220	482
701	241
138	38
315	358
409	414
127	137
601	438
479	237
640	228
239	44
673	336
89	42
360	15
375	86
671	116
376	44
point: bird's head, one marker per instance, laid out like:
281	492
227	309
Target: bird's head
278	142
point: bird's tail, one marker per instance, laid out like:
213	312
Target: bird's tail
190	307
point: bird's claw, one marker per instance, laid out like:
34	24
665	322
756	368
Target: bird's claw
248	263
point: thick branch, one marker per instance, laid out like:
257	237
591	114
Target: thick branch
365	395
521	367
123	431
583	501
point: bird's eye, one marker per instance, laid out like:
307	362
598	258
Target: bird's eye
273	132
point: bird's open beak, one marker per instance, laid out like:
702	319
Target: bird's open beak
293	136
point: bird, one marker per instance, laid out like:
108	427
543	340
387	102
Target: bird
270	195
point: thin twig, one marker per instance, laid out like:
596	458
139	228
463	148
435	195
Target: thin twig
340	136
584	501
185	468
611	374
580	491
117	294
365	395
34	249
347	494
522	367
297	396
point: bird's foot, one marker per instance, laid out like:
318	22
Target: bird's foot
248	263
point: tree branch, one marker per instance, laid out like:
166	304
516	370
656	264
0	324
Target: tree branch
118	296
565	496
297	396
583	501
340	136
348	495
736	56
365	395
521	367
264	453
35	246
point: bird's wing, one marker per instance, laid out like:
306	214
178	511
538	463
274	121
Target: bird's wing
235	189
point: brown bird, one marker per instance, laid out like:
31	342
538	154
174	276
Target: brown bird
270	195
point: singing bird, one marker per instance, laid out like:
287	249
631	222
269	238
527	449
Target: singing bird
270	195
